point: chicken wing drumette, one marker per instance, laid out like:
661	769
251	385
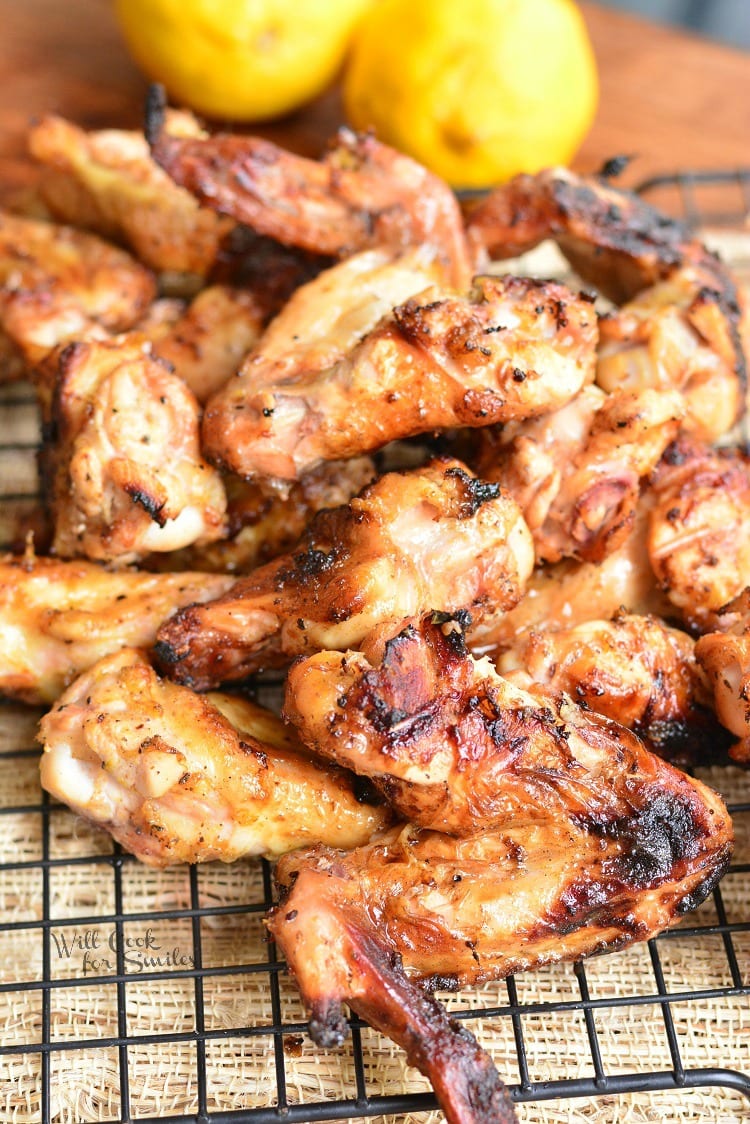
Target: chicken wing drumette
179	777
514	348
724	655
58	618
576	472
410	539
123	457
634	669
57	284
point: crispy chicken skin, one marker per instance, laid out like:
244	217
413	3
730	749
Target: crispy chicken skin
634	669
58	618
571	592
514	348
576	472
456	747
127	474
676	334
57	284
725	658
262	524
435	534
355	926
619	243
178	777
207	344
361	194
698	542
107	181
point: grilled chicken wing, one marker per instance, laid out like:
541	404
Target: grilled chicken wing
725	657
58	618
453	745
514	348
107	181
571	593
699	534
128	476
262	524
361	194
179	777
411	539
633	669
576	472
677	334
57	284
460	911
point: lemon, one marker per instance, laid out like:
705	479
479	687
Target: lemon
477	90
244	59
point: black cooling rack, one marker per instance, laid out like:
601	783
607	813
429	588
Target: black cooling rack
720	925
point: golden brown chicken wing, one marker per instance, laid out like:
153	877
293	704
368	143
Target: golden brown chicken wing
699	529
361	194
633	669
107	181
412	539
576	472
514	348
127	474
725	658
58	284
178	777
58	618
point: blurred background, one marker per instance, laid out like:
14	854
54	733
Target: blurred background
725	20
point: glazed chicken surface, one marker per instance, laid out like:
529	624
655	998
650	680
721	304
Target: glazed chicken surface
513	348
178	777
124	462
435	533
58	618
576	472
57	284
724	656
456	747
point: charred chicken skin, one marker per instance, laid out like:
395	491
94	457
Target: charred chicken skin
725	658
514	348
127	473
456	747
576	472
178	777
633	669
58	618
432	534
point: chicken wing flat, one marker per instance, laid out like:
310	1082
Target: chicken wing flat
435	534
677	334
106	181
127	474
361	194
698	542
576	472
571	592
461	911
179	777
514	348
725	658
57	284
262	524
58	618
633	669
456	747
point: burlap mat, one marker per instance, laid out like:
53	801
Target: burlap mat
156	1017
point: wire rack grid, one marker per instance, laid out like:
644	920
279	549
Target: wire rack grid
129	994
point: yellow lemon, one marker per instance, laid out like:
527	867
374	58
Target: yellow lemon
244	59
477	90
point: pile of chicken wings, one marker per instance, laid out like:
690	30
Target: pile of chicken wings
494	532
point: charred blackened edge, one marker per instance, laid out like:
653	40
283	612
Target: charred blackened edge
698	895
327	1026
475	492
153	508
